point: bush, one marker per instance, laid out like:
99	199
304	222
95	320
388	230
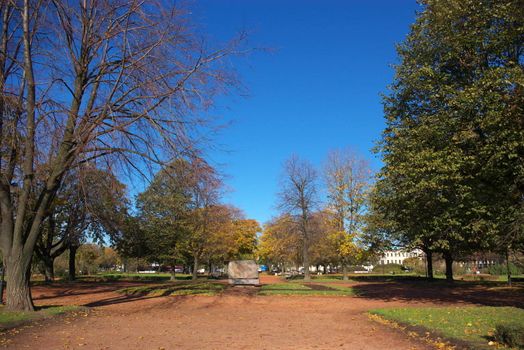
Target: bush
389	269
416	265
511	335
500	269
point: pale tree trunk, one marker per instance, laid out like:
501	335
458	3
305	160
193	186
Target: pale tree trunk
345	272
49	270
195	267
508	270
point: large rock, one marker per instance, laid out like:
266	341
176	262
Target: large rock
243	272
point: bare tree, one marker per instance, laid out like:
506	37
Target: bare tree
115	82
298	197
347	176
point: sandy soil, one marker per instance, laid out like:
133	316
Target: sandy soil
235	320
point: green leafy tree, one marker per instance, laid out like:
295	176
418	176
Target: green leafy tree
163	209
454	144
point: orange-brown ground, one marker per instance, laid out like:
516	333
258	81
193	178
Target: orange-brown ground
237	319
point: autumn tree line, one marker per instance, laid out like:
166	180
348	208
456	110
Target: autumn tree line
180	220
315	231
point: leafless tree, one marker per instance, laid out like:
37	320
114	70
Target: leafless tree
299	197
116	82
347	176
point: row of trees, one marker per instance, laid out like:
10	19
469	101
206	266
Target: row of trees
115	85
453	149
180	220
311	232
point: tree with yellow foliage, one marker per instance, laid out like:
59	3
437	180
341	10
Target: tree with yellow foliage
280	242
347	176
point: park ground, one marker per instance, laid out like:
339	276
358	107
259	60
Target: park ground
327	314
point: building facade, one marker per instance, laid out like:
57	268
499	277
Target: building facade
398	256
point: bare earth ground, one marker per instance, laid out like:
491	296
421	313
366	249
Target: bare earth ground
234	320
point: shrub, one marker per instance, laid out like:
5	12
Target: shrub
389	269
500	269
510	334
416	265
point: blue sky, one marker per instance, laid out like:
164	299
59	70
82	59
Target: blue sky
319	89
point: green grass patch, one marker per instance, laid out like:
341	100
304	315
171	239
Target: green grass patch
356	277
474	325
9	319
304	289
176	288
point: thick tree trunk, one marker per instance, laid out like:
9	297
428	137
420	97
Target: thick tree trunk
345	272
2	282
49	270
173	275
195	268
18	283
72	262
429	263
449	267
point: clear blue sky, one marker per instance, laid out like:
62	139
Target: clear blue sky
318	90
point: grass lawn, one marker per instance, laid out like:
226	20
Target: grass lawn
472	324
360	277
304	289
176	288
9	319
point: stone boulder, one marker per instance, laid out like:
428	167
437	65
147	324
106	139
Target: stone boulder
243	272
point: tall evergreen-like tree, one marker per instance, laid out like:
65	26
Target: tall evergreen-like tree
453	149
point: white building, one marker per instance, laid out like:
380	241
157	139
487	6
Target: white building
398	256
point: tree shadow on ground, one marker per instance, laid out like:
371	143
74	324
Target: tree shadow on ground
439	292
71	289
121	299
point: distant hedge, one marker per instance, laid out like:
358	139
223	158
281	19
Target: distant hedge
501	269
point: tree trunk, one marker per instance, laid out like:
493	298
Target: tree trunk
2	282
72	262
429	263
195	267
18	286
345	272
305	261
449	266
173	275
49	270
508	270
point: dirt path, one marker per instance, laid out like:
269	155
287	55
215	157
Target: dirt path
224	322
235	320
